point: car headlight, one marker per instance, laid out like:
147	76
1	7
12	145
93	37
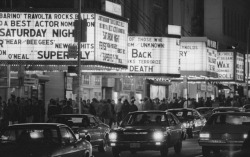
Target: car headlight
186	125
204	135
158	135
245	136
113	136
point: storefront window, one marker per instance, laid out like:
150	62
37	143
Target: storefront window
97	80
86	79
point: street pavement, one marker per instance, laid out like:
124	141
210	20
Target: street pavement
190	148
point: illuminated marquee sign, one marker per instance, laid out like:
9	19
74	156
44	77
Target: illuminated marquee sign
239	74
247	65
153	55
47	36
111	41
225	65
198	55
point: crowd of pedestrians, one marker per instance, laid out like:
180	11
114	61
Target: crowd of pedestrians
21	110
25	110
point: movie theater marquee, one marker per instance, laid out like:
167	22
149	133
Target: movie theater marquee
47	36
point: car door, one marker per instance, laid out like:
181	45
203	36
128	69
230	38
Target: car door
173	128
71	147
94	131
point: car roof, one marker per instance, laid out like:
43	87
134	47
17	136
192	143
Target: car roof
226	108
37	125
181	109
149	111
204	108
72	115
233	113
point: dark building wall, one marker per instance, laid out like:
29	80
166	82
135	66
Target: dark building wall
226	21
146	17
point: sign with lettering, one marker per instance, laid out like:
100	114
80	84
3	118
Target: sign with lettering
225	65
247	65
239	73
111	41
197	56
47	36
153	55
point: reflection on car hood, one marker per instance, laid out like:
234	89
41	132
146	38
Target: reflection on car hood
140	128
17	150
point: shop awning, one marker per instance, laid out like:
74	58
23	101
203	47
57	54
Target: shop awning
162	83
222	87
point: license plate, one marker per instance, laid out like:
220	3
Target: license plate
134	145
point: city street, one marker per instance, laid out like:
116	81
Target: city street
190	148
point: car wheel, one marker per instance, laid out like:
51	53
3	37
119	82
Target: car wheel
164	151
103	146
178	147
116	152
206	152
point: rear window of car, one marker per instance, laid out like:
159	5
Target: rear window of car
71	121
30	135
230	119
145	119
183	114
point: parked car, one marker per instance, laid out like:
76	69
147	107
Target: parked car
224	131
226	109
246	108
147	130
42	139
88	126
205	111
190	118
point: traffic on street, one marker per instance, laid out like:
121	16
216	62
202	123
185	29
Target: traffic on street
124	78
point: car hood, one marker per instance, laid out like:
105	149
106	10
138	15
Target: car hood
140	128
18	150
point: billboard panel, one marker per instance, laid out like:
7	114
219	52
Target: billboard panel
43	36
153	55
111	40
225	65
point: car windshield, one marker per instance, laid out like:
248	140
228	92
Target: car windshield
230	119
73	121
143	119
30	136
204	111
184	114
